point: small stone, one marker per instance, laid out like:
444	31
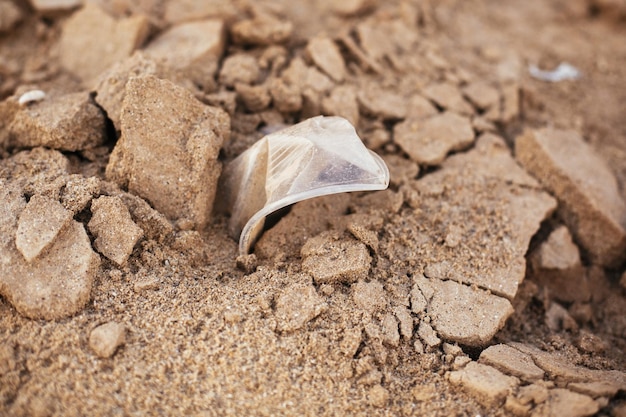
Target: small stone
428	335
10	16
369	296
106	338
406	321
482	95
512	362
168	150
342	101
116	233
326	56
146	282
287	97
401	170
297	305
261	30
563	402
556	265
428	141
78	192
378	396
256	98
488	384
379	102
69	123
448	97
247	263
194	48
54	7
330	260
589	198
40	223
55	284
239	68
92	40
486	314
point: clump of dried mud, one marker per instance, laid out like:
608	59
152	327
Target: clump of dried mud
489	278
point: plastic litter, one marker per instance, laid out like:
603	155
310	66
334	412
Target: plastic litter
319	156
563	72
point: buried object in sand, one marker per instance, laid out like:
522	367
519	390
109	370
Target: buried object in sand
319	156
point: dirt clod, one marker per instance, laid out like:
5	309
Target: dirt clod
106	338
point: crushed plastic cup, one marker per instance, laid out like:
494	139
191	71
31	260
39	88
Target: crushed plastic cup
319	156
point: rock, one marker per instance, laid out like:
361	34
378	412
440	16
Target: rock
326	56
194	48
369	296
92	40
426	332
106	338
556	265
562	402
287	97
331	260
589	199
168	150
55	284
261	30
342	101
488	384
298	304
428	141
512	362
55	7
78	192
10	16
69	123
116	234
256	98
111	85
482	95
239	68
483	313
377	102
448	97
39	224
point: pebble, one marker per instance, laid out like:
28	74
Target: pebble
168	150
261	30
239	68
55	284
116	233
589	199
428	141
194	48
39	224
448	97
325	54
489	385
331	260
556	265
342	101
376	101
512	362
106	338
92	40
71	122
296	305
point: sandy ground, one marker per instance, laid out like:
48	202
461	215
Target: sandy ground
487	280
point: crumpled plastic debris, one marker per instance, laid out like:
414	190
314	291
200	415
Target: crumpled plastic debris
319	156
563	72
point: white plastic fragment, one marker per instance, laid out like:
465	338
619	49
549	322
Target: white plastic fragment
319	156
31	97
563	72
